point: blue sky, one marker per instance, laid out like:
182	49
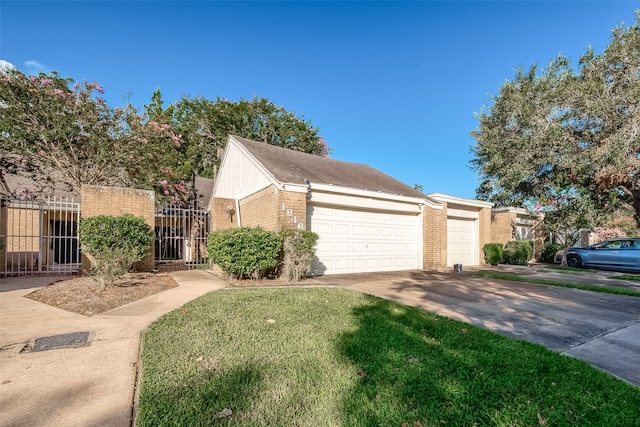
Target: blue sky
390	84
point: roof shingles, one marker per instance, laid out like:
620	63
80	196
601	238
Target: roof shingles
295	167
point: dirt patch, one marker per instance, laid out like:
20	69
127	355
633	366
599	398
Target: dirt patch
83	295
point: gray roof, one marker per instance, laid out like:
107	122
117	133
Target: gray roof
204	188
295	167
24	187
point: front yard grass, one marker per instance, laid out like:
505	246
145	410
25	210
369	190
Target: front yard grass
633	277
335	357
585	287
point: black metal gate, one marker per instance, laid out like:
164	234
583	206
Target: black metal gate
181	238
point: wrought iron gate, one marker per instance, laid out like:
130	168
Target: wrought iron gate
39	236
181	238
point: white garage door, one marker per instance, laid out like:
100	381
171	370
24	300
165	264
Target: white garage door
461	241
354	241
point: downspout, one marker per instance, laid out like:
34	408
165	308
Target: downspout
238	213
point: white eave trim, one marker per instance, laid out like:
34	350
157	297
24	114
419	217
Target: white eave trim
519	211
445	198
350	191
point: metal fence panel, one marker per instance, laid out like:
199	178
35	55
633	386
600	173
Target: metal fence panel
39	236
181	238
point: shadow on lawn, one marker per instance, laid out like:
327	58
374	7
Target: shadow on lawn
410	368
203	398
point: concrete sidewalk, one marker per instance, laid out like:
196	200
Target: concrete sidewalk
86	386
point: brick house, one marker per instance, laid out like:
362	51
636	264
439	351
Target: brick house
366	220
511	223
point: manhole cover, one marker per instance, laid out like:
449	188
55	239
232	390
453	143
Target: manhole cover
74	339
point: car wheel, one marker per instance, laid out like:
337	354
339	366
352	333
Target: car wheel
574	261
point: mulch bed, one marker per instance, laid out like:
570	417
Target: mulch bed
84	295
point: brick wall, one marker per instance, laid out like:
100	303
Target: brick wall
434	223
24	226
269	208
294	214
486	228
220	219
261	209
100	200
501	230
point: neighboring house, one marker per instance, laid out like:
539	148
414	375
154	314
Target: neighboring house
517	224
366	221
467	228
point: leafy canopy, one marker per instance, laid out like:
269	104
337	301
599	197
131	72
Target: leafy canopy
54	129
565	141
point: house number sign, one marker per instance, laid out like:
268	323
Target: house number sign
294	219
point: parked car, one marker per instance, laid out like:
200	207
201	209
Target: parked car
614	253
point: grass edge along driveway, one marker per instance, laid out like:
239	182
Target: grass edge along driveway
582	286
328	356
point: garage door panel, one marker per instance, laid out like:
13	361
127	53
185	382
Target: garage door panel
357	230
360	241
461	241
358	247
342	229
342	247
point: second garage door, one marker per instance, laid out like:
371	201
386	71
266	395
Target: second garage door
461	241
357	241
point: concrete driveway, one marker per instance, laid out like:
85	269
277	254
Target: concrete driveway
601	329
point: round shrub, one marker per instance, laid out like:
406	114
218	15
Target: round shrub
518	252
493	253
114	243
244	252
298	247
549	251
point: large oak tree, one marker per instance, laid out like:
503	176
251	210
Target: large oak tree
568	132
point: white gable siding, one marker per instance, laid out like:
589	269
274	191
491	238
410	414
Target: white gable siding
239	176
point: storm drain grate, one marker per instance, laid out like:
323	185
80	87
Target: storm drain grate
74	339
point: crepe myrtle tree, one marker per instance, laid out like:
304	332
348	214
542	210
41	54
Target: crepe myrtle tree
56	130
53	125
578	123
568	208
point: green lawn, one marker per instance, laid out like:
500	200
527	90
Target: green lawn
634	277
335	357
585	287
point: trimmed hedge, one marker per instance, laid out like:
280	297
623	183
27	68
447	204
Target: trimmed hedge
493	253
244	252
115	243
518	252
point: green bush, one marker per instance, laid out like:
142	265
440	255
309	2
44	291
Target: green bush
298	247
493	253
114	243
549	251
244	252
518	252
